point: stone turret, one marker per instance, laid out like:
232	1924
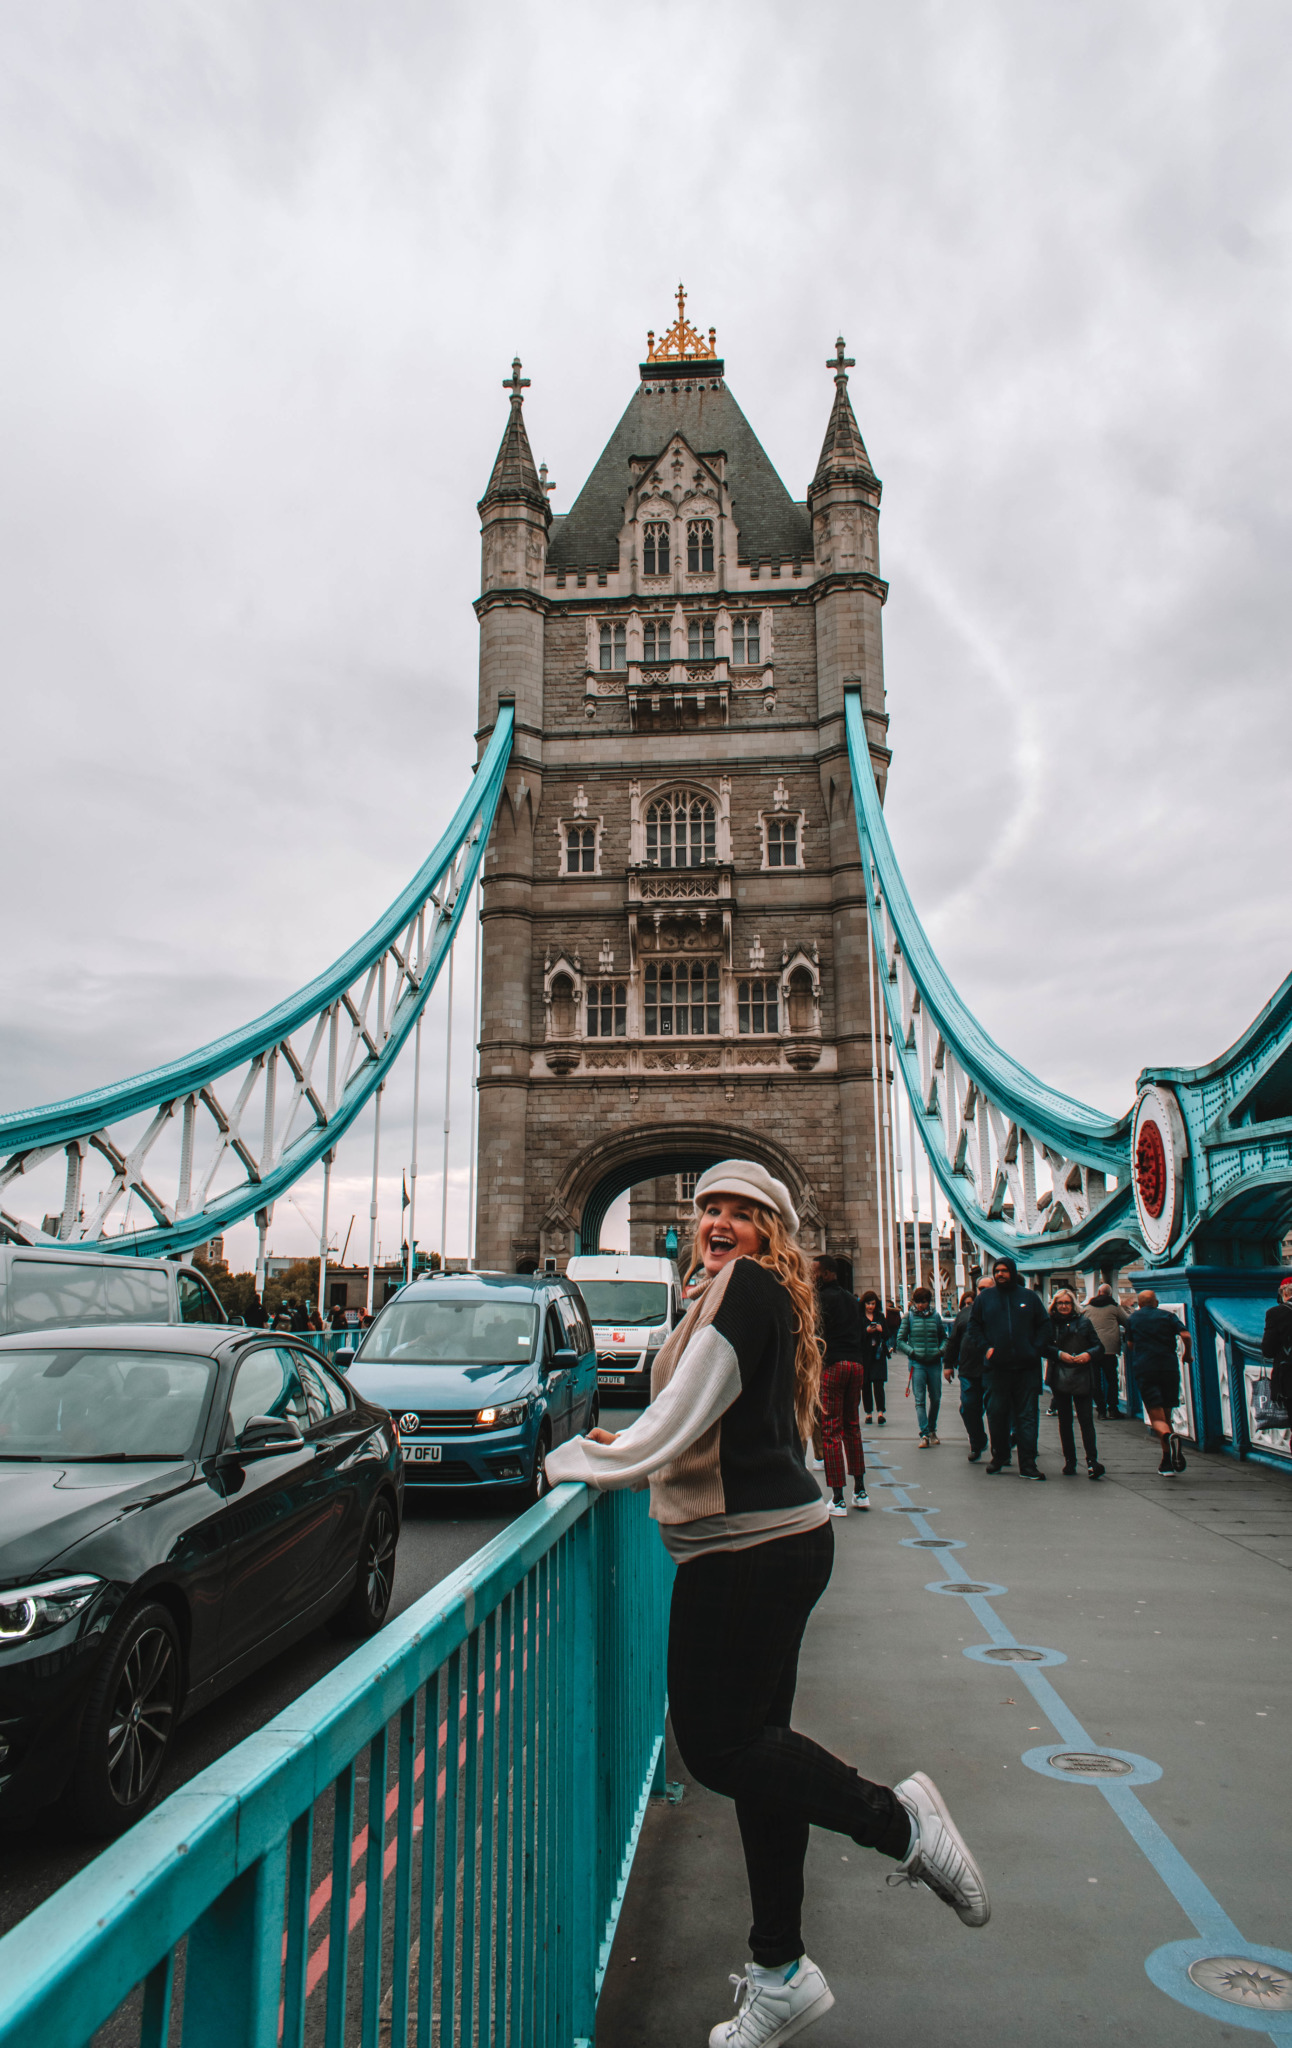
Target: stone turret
514	521
843	501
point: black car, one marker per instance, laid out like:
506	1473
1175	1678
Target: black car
177	1504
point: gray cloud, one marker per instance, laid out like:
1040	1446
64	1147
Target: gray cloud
266	268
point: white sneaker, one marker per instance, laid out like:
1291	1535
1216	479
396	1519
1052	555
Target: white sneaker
860	1499
815	1464
774	2007
838	1507
940	1858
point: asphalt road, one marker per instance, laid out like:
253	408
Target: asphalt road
41	1853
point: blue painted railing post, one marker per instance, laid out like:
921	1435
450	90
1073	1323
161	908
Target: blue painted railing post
585	1802
233	1968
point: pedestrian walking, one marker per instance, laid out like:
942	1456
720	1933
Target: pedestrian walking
842	1376
1010	1326
874	1357
733	1392
256	1316
921	1338
959	1357
1108	1320
1276	1345
1074	1373
1155	1335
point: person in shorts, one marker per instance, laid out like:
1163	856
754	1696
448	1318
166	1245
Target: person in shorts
1154	1335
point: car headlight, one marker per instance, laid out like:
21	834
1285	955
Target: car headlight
656	1338
502	1418
27	1611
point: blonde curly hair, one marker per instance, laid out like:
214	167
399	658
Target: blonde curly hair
784	1256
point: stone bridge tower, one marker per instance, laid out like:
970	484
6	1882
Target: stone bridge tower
675	962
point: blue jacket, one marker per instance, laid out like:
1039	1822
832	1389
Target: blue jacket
1012	1324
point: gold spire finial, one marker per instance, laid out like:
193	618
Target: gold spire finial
682	343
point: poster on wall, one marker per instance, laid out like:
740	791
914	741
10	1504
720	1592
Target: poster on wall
1224	1361
1182	1415
1256	1380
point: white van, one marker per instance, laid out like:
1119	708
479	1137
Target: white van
46	1289
632	1303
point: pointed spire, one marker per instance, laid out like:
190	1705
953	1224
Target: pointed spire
514	474
843	452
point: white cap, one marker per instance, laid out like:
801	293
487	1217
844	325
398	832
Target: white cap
746	1177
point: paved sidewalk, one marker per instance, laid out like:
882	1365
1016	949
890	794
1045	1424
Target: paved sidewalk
1171	1603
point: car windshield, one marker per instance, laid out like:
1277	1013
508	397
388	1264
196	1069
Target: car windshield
488	1332
77	1405
626	1302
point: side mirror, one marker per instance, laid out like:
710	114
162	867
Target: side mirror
564	1360
344	1358
264	1433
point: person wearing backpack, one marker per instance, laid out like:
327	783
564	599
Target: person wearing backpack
922	1336
1074	1374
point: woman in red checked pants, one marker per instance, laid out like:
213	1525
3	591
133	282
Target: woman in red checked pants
842	1379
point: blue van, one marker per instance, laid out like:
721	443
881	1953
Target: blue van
483	1373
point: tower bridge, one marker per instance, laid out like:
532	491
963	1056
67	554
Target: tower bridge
697	939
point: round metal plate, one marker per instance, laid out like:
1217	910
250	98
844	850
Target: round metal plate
1090	1763
1013	1655
931	1543
964	1586
1241	1980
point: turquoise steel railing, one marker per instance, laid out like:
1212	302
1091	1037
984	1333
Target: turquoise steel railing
430	1846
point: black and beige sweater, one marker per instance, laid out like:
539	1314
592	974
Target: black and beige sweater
719	1444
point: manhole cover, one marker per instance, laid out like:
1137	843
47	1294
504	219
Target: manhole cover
1090	1763
1013	1656
962	1586
933	1542
1242	1980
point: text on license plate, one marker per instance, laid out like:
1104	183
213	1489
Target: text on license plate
428	1454
611	1379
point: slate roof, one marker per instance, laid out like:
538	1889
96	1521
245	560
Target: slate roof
772	526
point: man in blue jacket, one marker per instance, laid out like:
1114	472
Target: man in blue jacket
1011	1331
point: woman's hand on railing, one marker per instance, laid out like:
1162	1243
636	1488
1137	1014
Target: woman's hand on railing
601	1436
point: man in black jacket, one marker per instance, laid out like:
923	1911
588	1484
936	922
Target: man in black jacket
974	1384
1010	1328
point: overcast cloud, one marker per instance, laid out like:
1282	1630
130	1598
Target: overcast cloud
266	266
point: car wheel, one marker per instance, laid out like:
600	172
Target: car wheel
368	1602
128	1723
539	1483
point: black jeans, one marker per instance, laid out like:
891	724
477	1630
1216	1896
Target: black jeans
1014	1402
872	1395
1065	1403
1107	1387
973	1396
737	1621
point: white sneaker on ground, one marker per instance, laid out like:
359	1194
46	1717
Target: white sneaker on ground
814	1463
774	2007
860	1498
940	1858
838	1507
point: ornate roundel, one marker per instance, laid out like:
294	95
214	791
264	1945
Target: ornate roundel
1157	1163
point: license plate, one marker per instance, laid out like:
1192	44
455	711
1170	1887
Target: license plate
611	1379
423	1454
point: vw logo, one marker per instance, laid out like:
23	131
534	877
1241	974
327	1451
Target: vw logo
408	1423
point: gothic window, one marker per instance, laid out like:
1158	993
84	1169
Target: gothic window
655	548
699	546
682	999
562	1007
614	647
580	849
783	842
686	1186
699	639
759	1006
745	641
801	1008
681	830
656	640
607	1009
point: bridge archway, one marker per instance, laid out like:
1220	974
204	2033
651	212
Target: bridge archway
603	1170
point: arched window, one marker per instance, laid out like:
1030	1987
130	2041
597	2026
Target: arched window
699	638
681	830
614	646
682	998
699	546
745	641
656	641
562	1007
655	548
799	1005
580	849
783	842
